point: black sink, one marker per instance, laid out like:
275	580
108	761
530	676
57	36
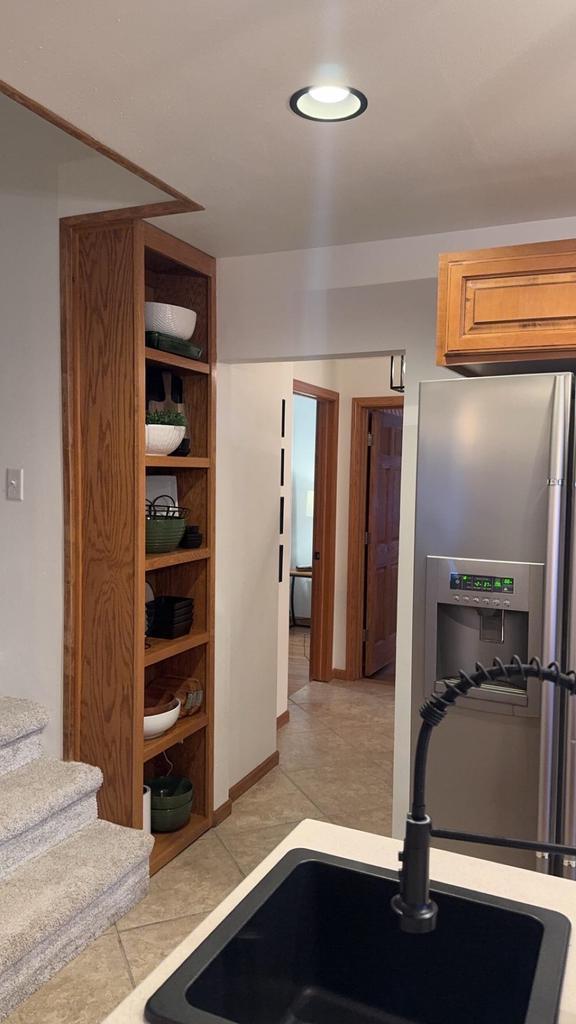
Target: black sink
317	943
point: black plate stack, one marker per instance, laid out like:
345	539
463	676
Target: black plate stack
170	617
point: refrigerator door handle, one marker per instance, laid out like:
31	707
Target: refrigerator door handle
568	834
547	778
569	823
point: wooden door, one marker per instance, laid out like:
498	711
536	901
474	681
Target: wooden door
383	521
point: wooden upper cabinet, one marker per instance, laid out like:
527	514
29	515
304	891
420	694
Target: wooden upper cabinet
511	304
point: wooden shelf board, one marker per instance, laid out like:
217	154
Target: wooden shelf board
176	462
178	557
184	727
162	649
168	844
154	355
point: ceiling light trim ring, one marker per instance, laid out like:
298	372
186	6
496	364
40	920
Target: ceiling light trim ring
296	96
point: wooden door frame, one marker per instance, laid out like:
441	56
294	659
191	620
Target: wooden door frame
325	489
361	409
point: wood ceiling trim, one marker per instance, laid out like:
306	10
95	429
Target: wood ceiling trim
186	204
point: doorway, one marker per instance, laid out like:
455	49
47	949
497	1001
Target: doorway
320	507
374	520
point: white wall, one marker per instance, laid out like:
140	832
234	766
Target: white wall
286	539
329	302
302	518
360	377
347	299
31	532
247	526
39	164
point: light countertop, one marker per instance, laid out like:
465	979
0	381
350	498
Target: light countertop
467	872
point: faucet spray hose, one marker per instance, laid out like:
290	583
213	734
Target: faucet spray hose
416	911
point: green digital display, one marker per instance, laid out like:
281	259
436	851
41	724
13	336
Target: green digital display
484	584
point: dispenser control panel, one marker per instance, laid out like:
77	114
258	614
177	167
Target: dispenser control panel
482	584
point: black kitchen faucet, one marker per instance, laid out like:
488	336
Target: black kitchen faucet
417	912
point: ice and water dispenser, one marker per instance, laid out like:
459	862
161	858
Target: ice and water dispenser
478	611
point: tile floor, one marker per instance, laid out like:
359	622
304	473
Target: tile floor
335	764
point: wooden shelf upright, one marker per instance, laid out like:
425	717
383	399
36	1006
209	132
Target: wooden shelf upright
109	268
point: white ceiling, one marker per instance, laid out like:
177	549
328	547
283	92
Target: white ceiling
471	116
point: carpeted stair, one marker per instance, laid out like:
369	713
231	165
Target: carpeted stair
65	876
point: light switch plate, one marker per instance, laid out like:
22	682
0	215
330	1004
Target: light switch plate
15	484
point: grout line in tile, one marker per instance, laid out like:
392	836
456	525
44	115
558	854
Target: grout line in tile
229	852
161	920
125	957
287	776
270	824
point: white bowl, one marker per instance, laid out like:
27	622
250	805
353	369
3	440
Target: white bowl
177	321
156	725
162	438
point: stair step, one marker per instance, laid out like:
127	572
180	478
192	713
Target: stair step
21	726
19	718
54	906
41	804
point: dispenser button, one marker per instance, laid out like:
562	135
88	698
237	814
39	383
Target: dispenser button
506	604
495	604
466	599
476	600
485	600
456	597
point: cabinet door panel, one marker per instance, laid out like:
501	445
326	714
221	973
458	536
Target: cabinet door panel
517	301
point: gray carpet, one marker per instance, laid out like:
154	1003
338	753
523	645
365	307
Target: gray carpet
65	875
19	718
53	907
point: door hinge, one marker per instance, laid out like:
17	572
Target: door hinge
366	537
370	439
364	635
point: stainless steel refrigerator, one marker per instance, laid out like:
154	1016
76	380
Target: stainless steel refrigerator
495	576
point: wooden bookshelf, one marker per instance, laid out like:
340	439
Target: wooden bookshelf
176	462
108	270
160	650
168	845
184	727
178	557
172	362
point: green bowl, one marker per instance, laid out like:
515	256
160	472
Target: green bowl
167	792
164	534
171	819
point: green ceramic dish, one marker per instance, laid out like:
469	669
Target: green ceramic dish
171	819
164	534
169	792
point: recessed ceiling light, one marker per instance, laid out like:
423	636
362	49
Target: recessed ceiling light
328	103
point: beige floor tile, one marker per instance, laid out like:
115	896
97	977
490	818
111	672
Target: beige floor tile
360	711
373	741
193	883
249	848
272	801
377	820
146	947
299	717
316	746
341	691
84	992
335	788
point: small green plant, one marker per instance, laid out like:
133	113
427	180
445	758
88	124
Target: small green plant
166	417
